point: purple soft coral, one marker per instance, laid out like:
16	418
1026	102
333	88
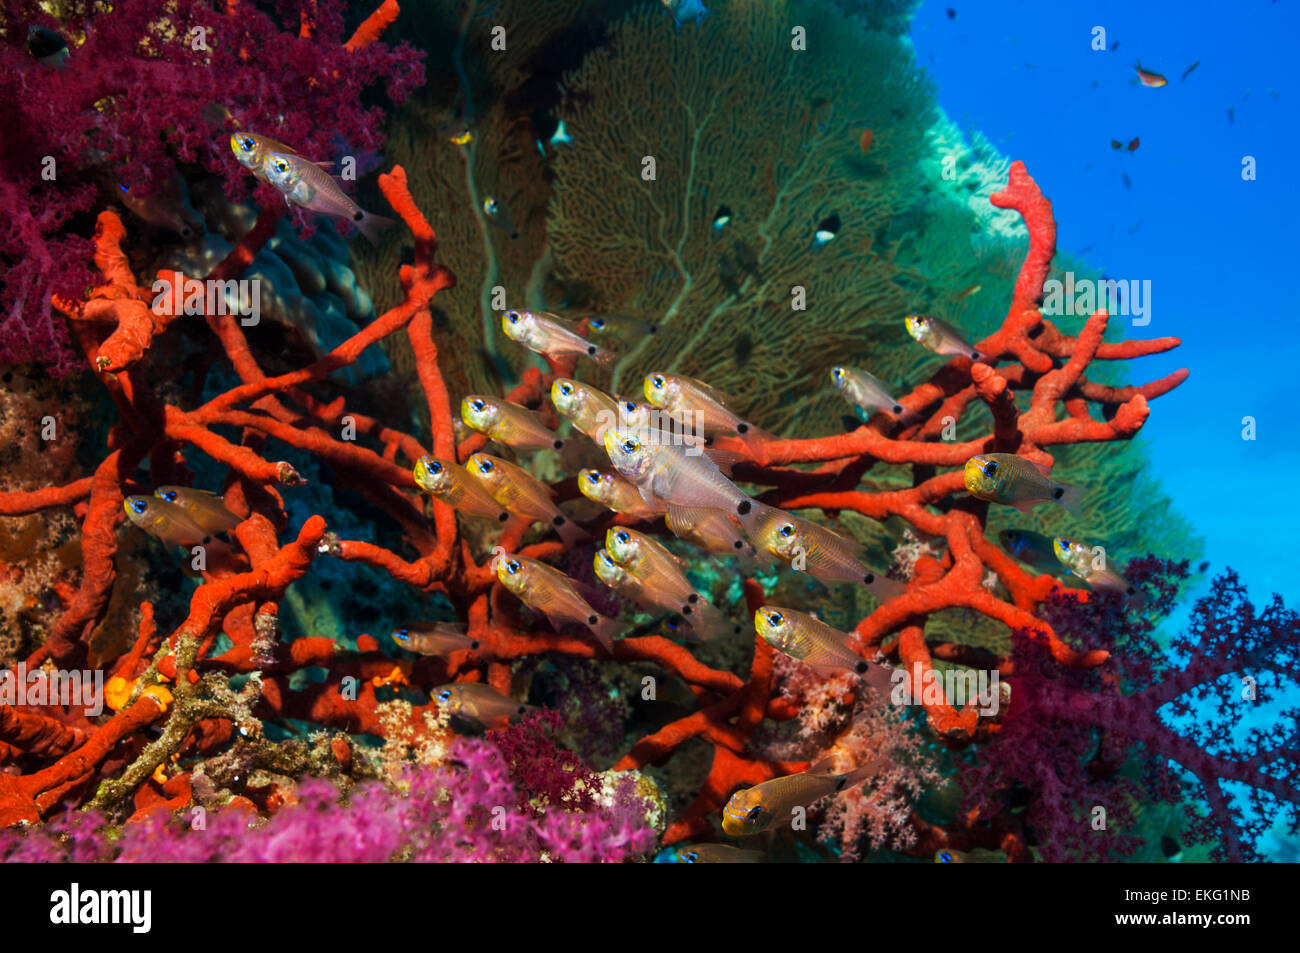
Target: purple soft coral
136	98
1075	742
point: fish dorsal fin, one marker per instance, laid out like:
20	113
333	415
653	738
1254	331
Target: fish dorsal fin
1042	468
710	392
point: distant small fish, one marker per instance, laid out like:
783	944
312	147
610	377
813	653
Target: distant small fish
463	138
307	185
952	14
939	336
509	423
1187	72
1014	481
721	217
549	130
685	11
164	521
1232	115
969	291
1114	46
549	335
863	389
864	141
1149	78
1133	144
452	484
479	702
622	325
47	47
207	510
434	638
1116	144
499	216
1128	183
827	229
715	854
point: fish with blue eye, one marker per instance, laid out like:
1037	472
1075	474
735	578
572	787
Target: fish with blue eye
721	218
1033	549
499	215
753	810
434	638
685	11
164	521
714	854
977	856
207	510
826	231
478	702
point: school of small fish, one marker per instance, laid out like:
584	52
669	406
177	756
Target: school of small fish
662	466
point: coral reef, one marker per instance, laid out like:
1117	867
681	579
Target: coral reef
209	693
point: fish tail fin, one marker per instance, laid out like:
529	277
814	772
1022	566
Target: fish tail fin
572	534
710	622
370	225
1071	497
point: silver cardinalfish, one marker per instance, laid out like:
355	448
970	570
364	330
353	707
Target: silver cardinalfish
307	185
697	404
434	638
508	423
939	336
756	809
1014	481
479	702
817	645
206	509
818	551
553	594
680	476
451	483
589	408
864	389
522	494
253	152
548	335
709	529
1106	577
611	490
499	216
164	521
666	584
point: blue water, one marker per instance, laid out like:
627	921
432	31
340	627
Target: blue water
1216	249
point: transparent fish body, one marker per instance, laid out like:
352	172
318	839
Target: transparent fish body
548	334
590	409
818	551
164	521
939	336
864	390
453	485
508	423
553	594
482	703
434	638
205	509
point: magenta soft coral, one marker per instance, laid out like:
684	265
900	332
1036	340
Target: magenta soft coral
463	812
134	99
1073	741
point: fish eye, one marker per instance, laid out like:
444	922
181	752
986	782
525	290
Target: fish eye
598	323
754	813
139	505
566	388
945	857
787	530
631	445
433	466
400	634
622	537
512	566
837	372
477	404
775	618
593	477
656	380
485	466
512	317
990	468
168	495
442	694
